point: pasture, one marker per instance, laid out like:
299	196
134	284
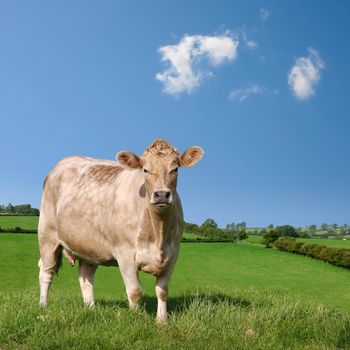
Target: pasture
221	294
334	243
24	222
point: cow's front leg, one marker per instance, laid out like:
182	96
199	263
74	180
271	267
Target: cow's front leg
162	294
130	277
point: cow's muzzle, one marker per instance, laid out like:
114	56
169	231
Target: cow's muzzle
162	198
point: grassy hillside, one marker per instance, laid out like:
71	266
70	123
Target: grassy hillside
199	266
254	239
221	295
25	222
335	243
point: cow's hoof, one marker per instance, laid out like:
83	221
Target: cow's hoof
161	320
43	303
90	305
134	306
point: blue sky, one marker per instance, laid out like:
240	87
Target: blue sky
79	78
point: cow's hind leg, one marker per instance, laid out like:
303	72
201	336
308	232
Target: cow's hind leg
49	263
86	280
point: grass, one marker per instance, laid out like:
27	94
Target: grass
225	296
254	239
25	222
204	319
334	243
217	265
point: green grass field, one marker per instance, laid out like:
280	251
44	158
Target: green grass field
335	243
25	222
210	319
199	266
254	239
221	294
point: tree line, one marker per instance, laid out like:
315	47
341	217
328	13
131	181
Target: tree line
209	229
238	231
20	209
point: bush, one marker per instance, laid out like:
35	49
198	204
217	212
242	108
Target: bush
335	256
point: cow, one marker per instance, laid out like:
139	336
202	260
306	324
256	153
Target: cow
124	213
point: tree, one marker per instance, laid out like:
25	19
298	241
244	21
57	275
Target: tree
347	229
231	227
35	212
312	229
324	227
270	226
189	227
334	227
24	209
241	235
271	236
243	224
210	223
342	230
287	230
10	209
304	235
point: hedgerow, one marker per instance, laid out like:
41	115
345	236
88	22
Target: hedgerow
335	256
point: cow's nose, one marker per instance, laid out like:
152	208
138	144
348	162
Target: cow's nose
161	196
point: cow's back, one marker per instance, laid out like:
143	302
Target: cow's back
93	206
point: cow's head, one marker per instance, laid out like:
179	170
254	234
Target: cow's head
160	163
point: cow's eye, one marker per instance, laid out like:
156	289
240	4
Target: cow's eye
145	171
174	171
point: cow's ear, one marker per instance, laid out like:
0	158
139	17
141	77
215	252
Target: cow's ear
191	156
128	159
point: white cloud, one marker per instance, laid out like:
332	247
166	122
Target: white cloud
251	89
186	60
305	74
264	14
250	44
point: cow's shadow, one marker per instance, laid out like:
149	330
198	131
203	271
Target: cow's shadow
179	304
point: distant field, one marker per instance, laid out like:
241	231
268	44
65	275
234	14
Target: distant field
254	239
328	242
336	243
31	222
25	222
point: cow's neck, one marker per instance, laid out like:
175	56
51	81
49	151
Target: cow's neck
157	226
155	239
